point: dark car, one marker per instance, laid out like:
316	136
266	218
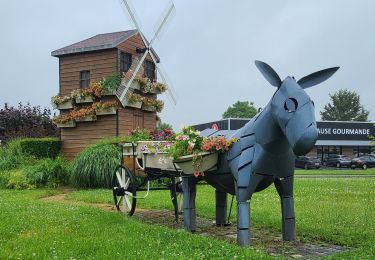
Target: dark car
307	162
338	161
364	162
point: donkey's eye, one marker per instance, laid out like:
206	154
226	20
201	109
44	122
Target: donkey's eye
313	103
291	105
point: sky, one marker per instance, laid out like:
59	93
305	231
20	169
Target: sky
207	50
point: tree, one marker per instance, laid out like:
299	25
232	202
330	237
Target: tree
240	109
161	126
25	121
345	106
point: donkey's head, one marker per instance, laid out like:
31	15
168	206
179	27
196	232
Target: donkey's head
292	108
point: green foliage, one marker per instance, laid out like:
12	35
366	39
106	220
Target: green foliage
111	82
187	142
10	155
40	147
94	167
240	109
49	172
346	106
162	125
15	179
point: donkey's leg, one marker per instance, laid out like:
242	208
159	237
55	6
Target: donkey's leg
285	189
189	190
221	207
243	194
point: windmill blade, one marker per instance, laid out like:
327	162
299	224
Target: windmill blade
164	20
134	75
172	96
129	11
170	89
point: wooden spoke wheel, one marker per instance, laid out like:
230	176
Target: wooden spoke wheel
124	194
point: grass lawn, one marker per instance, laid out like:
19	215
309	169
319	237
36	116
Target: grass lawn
339	211
334	171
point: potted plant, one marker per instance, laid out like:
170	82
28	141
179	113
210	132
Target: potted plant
195	154
85	114
148	104
64	120
145	84
62	102
105	108
83	95
97	89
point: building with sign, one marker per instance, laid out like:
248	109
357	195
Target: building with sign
335	137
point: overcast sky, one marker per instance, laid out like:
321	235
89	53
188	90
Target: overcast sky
208	49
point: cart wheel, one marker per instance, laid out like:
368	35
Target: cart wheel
125	194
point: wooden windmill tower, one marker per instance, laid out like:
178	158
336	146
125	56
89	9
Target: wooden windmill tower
89	61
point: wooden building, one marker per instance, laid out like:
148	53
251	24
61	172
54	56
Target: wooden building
90	60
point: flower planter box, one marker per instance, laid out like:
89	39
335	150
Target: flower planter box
209	162
67	124
160	161
135	105
108	111
109	92
134	85
65	105
88	118
148	108
87	99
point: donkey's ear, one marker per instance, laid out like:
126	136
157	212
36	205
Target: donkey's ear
268	73
317	77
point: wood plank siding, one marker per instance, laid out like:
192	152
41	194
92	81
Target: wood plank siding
100	64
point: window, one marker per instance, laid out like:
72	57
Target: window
150	69
125	61
84	78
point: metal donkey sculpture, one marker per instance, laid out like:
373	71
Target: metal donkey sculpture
264	154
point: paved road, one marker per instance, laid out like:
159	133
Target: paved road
335	175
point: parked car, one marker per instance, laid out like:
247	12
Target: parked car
364	162
307	162
338	160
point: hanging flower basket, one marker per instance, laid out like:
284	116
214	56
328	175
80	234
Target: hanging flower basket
208	162
68	124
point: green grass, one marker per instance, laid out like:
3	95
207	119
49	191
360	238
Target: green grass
338	211
31	228
334	171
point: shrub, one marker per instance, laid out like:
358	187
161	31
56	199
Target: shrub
40	147
10	155
26	121
94	167
16	180
49	172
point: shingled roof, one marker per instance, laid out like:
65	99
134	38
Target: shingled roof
98	42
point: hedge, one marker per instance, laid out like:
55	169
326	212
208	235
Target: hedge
41	147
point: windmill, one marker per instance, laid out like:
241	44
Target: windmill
163	21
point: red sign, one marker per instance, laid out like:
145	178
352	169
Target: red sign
215	127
